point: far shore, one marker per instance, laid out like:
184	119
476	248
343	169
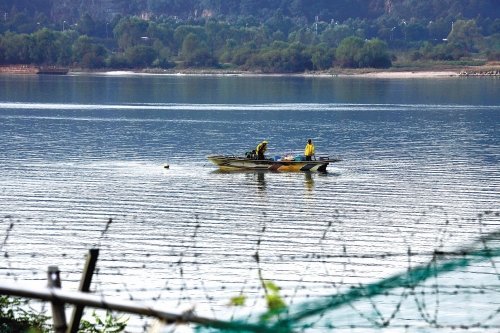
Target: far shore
375	74
490	69
408	74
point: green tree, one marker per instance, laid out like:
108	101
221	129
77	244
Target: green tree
444	52
494	27
333	35
45	49
162	32
164	59
268	61
439	29
296	58
322	56
87	54
416	31
217	34
21	22
466	34
86	25
80	47
304	36
348	53
64	44
195	52
355	52
282	57
117	60
130	31
17	48
228	52
242	55
375	54
279	22
140	55
182	31
493	47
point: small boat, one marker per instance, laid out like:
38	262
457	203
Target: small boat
53	70
231	162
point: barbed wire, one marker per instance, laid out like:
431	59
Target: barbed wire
195	274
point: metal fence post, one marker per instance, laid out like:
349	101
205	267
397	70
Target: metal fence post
58	314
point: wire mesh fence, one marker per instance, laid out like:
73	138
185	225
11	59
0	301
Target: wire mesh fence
436	274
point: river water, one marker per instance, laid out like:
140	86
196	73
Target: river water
82	165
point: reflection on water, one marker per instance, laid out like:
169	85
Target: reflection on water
249	90
261	181
309	181
259	176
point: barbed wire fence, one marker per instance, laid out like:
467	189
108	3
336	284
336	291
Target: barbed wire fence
328	283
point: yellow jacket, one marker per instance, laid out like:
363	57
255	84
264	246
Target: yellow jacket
261	147
309	151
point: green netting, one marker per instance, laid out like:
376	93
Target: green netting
400	301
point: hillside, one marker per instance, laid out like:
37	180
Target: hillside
324	10
257	35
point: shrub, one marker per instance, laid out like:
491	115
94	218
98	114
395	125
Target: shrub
14	318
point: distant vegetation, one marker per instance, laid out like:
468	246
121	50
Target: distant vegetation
267	36
17	316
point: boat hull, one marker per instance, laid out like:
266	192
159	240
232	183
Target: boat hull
242	163
52	70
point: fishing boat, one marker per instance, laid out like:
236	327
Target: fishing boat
284	164
53	70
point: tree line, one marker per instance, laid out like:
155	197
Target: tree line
55	11
222	38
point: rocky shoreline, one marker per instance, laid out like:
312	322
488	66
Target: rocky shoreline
491	72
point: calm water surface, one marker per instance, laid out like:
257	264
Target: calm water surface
420	162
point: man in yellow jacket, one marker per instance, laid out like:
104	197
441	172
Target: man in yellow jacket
309	150
261	149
